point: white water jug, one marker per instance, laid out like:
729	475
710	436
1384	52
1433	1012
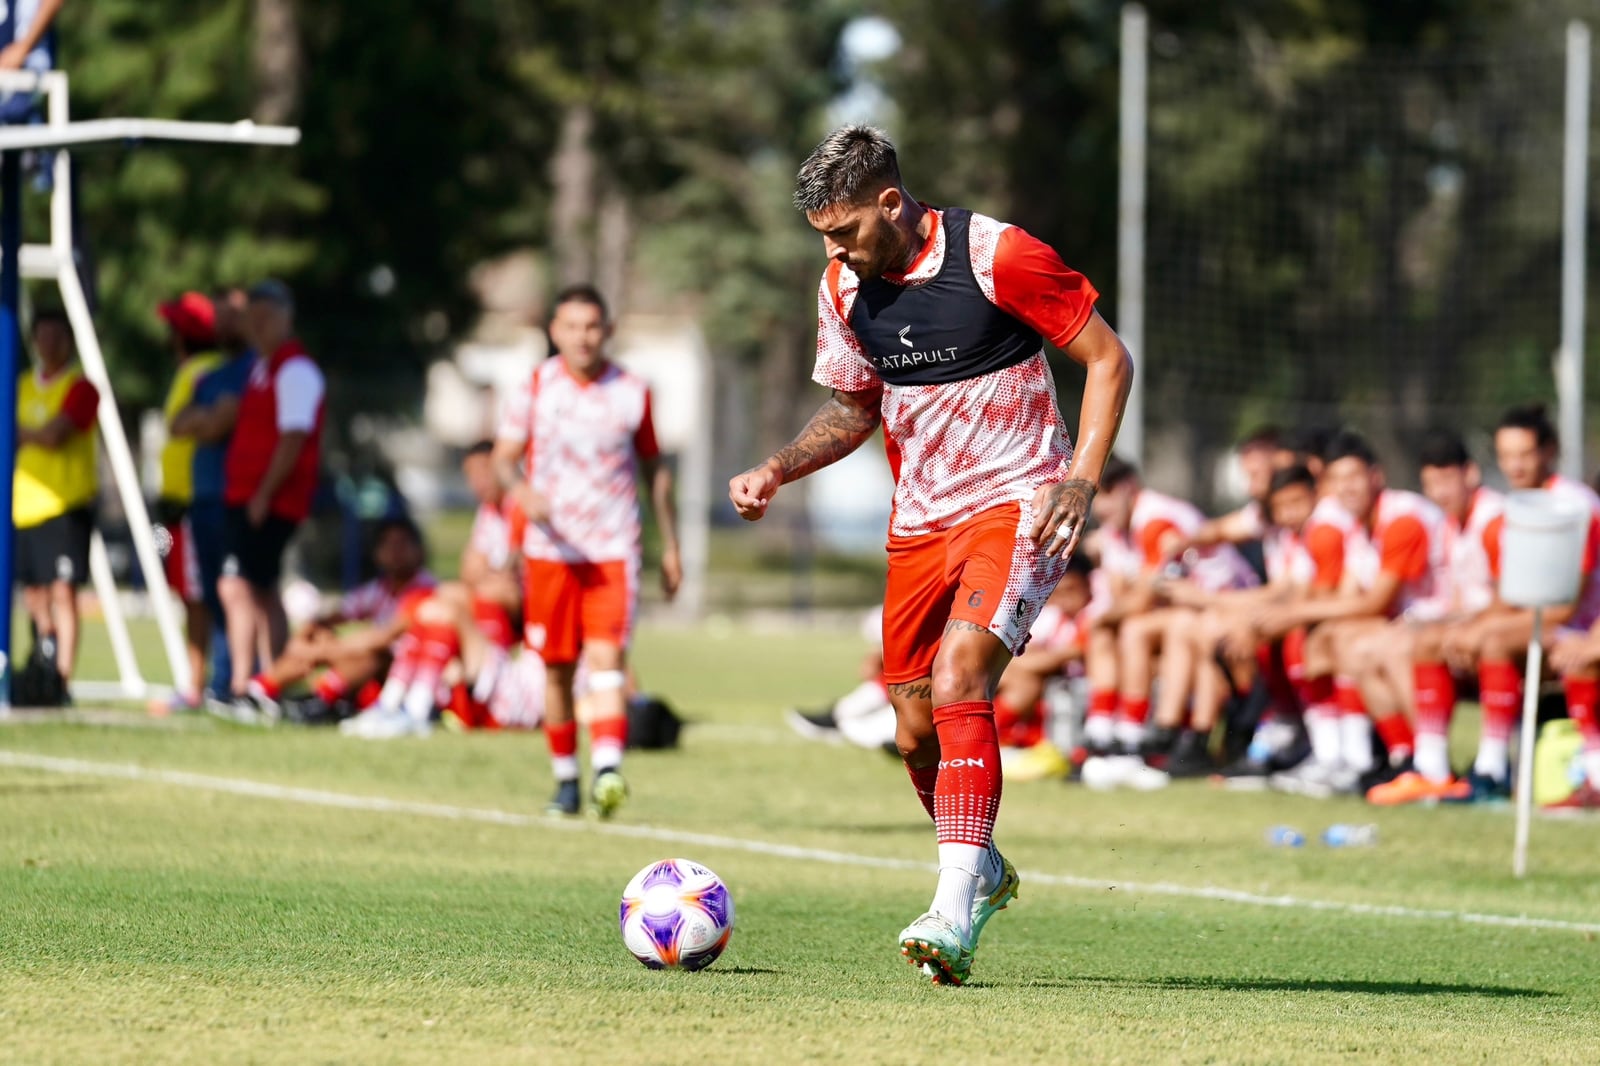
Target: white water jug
1541	551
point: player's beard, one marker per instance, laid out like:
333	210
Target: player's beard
894	255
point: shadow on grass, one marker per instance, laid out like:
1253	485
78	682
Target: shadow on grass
742	971
1288	984
52	788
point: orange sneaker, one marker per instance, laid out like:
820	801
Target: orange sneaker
1409	787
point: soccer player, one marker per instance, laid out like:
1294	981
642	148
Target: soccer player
583	430
931	324
1493	644
1394	567
1389	681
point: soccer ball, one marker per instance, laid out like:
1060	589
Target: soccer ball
676	914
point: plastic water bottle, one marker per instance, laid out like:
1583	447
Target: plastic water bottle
1350	836
1285	836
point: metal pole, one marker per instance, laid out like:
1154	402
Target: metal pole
1130	218
1574	212
1530	729
10	366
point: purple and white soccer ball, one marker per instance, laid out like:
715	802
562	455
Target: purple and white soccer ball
676	914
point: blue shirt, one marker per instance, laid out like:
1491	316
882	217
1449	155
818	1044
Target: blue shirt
229	379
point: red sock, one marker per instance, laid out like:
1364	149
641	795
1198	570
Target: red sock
1436	698
967	794
1006	720
1347	695
1134	709
924	779
613	731
368	694
1102	704
562	738
330	686
269	686
1314	691
1294	656
1582	695
1279	688
1500	692
1395	731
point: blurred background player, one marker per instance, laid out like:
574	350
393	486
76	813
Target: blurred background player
349	656
270	478
583	430
1394	566
1494	643
1389	681
208	421
192	334
930	324
54	490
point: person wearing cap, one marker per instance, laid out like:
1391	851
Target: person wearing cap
54	488
192	335
269	479
208	420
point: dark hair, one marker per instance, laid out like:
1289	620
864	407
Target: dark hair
50	314
582	293
482	447
1307	440
1531	417
1443	447
1348	444
1267	436
396	523
1078	563
1289	476
852	164
1116	472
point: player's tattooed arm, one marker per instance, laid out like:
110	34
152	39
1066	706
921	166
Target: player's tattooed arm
838	428
1060	511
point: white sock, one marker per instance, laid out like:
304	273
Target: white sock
1492	758
1591	767
1355	741
419	701
392	695
960	866
565	767
993	870
1098	731
1128	733
1322	725
605	756
489	674
1432	757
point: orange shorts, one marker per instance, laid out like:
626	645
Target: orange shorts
569	604
494	622
984	571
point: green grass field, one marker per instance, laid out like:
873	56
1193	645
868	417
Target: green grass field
154	909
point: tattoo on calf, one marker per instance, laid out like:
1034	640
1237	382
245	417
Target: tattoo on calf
913	690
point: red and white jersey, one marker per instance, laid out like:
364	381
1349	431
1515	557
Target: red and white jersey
1408	539
961	447
492	533
1588	607
1471	573
517	699
584	441
379	601
1314	557
1252	520
1138	551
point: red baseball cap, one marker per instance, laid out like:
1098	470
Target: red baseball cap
192	316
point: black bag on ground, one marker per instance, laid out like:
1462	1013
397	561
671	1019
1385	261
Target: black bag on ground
38	683
652	724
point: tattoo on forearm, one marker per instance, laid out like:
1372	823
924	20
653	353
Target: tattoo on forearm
836	430
913	690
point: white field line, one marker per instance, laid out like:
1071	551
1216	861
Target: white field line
382	805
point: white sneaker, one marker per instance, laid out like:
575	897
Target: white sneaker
1142	777
1102	773
382	723
1311	778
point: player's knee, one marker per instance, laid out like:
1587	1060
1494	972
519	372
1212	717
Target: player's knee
917	747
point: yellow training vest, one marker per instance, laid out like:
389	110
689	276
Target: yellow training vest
51	481
177	455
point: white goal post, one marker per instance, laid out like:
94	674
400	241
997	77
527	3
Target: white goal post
55	261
